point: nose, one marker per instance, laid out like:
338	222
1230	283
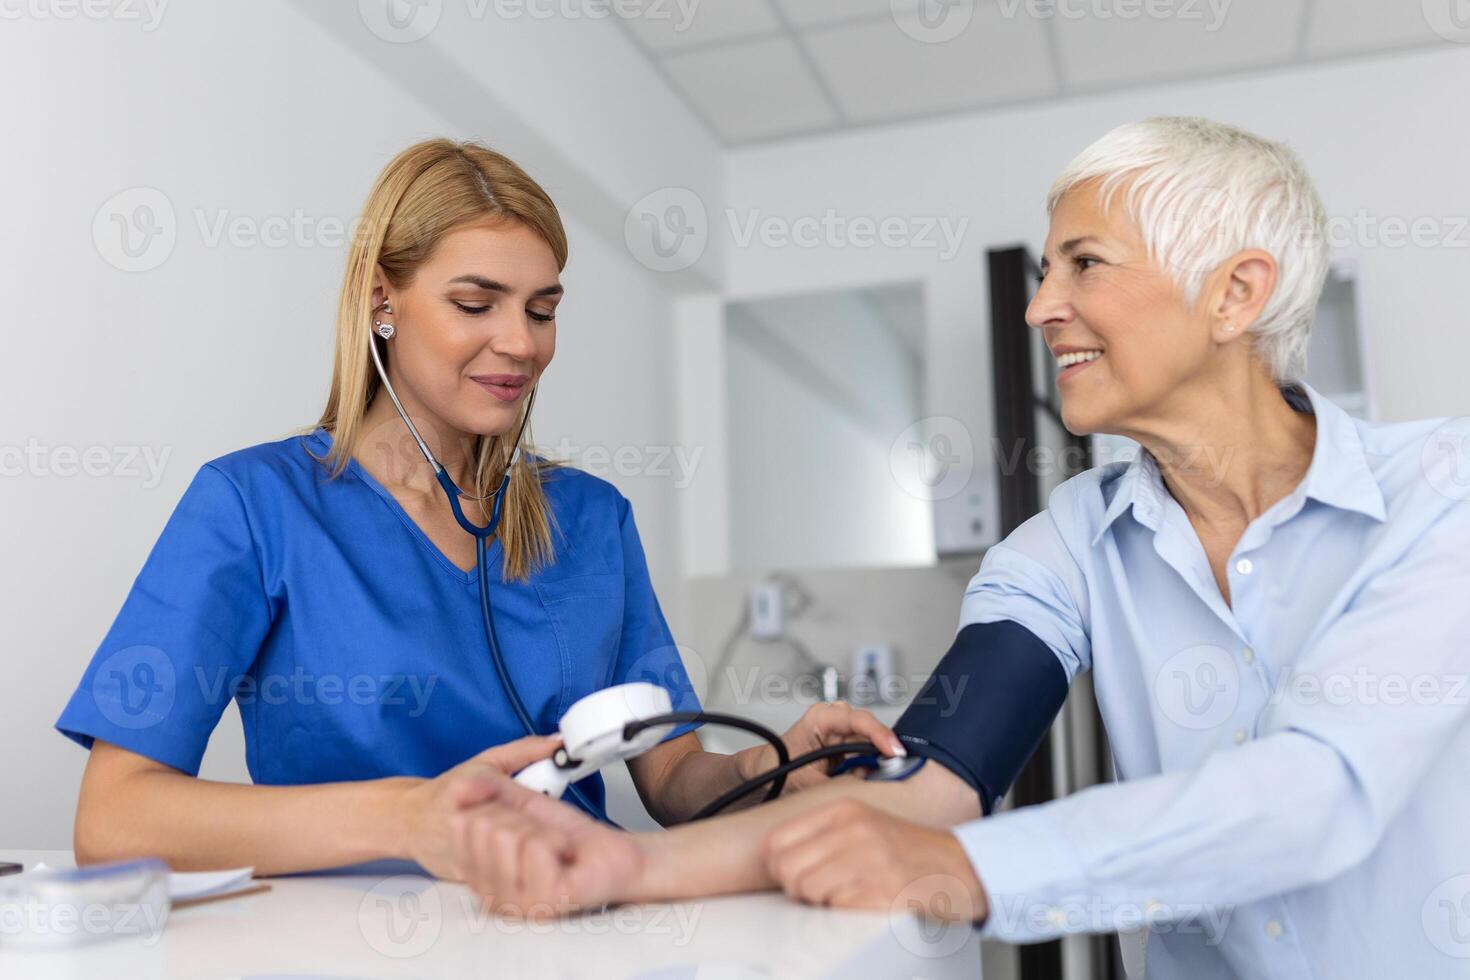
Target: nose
1050	306
512	337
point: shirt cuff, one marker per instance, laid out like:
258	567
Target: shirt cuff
1035	883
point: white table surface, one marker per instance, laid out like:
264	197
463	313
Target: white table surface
378	922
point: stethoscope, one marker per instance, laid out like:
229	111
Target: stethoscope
482	537
865	754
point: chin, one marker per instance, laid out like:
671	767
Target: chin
1078	421
496	421
1096	409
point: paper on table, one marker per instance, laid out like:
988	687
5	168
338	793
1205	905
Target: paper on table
198	884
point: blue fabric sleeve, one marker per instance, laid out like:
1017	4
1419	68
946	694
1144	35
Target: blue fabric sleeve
646	650
1031	578
189	628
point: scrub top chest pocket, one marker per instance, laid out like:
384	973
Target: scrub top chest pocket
586	615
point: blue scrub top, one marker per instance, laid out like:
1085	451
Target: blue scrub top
353	645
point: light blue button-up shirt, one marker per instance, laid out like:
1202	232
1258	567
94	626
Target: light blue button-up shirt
1294	794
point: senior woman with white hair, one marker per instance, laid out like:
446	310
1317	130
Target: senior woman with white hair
1272	597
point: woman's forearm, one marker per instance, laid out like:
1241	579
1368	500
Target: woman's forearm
723	855
678	778
194	824
694	779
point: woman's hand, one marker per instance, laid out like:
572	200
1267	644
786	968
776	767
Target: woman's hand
848	854
427	805
532	857
829	723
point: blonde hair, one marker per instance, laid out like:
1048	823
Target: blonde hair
425	192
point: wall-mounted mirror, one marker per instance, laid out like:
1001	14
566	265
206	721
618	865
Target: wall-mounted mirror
821	388
1335	357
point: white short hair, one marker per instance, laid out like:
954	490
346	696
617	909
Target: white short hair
1200	192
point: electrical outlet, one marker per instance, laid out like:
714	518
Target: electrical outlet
767	611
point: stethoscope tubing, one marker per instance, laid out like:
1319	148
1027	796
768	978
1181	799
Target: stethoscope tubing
482	537
775	779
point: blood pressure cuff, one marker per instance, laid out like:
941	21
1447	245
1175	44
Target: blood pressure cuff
986	707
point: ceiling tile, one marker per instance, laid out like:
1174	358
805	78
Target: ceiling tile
804	13
1197	37
752	89
879	71
885	60
664	26
1343	26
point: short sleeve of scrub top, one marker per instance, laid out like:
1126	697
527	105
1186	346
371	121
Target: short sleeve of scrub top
352	645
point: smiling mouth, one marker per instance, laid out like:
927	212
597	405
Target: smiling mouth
1075	362
507	388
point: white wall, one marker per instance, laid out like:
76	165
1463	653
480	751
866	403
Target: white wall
1384	136
254	109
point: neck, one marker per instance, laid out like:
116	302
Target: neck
1229	451
389	452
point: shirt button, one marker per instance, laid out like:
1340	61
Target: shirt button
1248	655
1245	566
1240	736
1273	929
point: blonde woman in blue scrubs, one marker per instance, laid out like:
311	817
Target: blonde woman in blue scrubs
323	583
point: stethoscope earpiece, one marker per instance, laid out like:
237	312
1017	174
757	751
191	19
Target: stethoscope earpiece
385	330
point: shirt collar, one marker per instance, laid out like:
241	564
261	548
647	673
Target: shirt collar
1339	474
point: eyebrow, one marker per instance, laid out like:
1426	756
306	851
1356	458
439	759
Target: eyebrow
1069	246
500	287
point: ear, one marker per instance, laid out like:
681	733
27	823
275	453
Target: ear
1249	281
380	287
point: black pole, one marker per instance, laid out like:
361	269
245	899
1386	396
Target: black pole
1020	498
1017	404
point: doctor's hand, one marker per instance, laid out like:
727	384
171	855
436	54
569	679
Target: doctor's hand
848	854
425	805
531	857
828	723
